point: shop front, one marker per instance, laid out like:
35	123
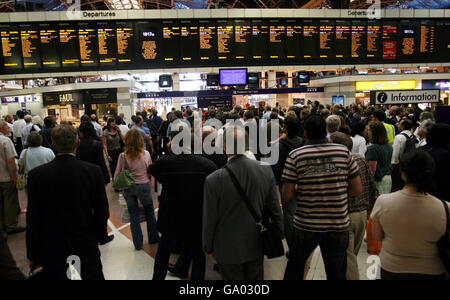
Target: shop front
31	104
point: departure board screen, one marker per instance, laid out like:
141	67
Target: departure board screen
49	38
189	40
294	33
225	40
277	39
409	33
87	38
11	47
358	49
242	39
31	48
260	40
374	37
68	41
443	42
326	38
207	41
126	47
389	40
170	41
107	44
427	37
342	40
310	39
149	42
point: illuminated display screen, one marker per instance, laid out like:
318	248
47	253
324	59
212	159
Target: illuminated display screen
31	52
310	39
107	44
294	33
207	41
189	40
277	39
225	37
170	41
260	40
326	38
389	41
11	47
358	49
148	42
242	39
49	38
374	37
126	52
408	38
342	39
68	42
87	38
427	37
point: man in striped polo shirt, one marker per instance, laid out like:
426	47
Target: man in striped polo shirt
319	177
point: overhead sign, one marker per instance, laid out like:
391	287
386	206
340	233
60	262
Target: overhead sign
385	85
443	85
404	97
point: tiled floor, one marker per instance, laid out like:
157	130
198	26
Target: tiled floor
121	261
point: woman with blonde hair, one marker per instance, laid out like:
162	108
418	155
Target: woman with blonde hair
137	160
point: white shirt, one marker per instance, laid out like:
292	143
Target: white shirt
26	132
36	156
18	125
7	151
399	146
359	145
124	129
98	129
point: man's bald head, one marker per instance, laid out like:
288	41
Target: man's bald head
28	118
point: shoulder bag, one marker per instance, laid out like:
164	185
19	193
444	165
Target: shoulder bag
125	179
21	179
444	243
271	239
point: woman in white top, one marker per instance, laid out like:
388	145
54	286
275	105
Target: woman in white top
410	222
359	142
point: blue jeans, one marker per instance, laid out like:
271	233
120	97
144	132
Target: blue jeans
333	246
143	193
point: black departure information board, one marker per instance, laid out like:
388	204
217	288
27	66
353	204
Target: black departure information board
260	40
389	41
170	41
409	38
242	40
31	47
277	40
87	38
189	40
149	42
11	47
294	33
310	39
68	45
358	49
225	41
126	44
326	38
374	37
49	40
342	40
427	37
207	41
107	44
443	38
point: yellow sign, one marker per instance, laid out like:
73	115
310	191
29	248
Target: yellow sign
385	85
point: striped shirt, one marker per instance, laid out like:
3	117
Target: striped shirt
321	173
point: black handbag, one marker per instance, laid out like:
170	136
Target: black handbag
444	243
271	237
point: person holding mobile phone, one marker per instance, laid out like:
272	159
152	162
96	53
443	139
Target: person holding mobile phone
112	140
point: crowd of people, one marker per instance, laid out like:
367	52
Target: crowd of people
343	176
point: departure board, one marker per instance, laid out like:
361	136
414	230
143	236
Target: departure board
443	40
358	49
326	38
277	39
409	45
294	33
225	37
31	48
170	41
242	39
11	47
189	40
207	41
149	42
107	44
374	37
260	40
427	37
87	38
68	41
310	39
49	38
342	40
126	47
389	49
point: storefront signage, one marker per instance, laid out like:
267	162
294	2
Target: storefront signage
100	96
61	98
93	96
404	97
443	85
218	101
385	85
19	99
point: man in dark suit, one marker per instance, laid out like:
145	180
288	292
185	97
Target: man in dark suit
67	212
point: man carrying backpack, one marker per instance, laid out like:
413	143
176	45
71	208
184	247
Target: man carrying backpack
404	142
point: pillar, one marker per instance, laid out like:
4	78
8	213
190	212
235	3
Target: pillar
176	101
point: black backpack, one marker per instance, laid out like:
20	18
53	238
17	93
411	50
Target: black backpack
410	144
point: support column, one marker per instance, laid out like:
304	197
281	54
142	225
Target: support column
176	101
125	103
272	84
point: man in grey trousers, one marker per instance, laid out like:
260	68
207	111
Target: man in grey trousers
230	233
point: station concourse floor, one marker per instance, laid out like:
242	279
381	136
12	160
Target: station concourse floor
122	262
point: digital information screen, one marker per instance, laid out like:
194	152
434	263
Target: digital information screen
374	37
389	41
242	38
31	52
170	41
68	42
49	38
233	76
189	41
149	42
294	33
260	40
126	52
225	37
310	39
427	37
277	39
11	47
358	49
87	38
408	38
326	38
107	44
342	41
207	41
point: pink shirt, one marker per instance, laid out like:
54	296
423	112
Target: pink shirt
138	166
